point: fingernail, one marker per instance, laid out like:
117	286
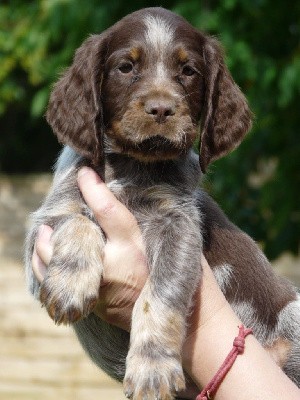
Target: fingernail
83	171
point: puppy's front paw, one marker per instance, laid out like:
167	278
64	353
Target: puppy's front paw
68	298
71	287
153	378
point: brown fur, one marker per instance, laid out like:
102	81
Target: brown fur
212	93
131	105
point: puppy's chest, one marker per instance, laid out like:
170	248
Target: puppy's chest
155	201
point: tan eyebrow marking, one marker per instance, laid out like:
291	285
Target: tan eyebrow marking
135	53
182	55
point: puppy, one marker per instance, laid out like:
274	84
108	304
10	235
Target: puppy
131	106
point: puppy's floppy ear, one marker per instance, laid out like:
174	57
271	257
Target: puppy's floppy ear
226	117
74	109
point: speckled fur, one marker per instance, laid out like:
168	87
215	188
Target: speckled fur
131	105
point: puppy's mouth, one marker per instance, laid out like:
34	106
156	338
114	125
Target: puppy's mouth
152	149
157	144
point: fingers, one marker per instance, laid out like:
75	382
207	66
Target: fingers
42	252
116	221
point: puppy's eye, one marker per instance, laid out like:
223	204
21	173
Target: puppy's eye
126	68
188	71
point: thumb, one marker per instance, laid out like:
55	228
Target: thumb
114	218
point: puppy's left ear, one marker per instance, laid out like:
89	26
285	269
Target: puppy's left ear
226	117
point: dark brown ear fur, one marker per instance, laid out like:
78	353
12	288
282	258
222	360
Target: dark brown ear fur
226	118
74	110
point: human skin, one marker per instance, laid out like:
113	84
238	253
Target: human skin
212	324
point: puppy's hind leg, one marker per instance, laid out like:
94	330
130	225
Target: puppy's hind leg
70	288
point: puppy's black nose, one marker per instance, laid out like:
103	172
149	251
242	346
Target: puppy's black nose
161	109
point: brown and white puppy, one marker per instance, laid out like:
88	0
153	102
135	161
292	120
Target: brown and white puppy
131	105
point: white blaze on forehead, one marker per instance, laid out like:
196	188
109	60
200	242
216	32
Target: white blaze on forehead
159	36
161	72
159	33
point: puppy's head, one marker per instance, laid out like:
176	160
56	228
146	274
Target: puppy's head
149	84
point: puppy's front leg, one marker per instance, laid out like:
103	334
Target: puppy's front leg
153	365
70	288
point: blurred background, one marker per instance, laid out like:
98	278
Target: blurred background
258	185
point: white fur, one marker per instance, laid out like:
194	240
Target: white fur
161	73
289	317
224	276
159	35
247	314
287	325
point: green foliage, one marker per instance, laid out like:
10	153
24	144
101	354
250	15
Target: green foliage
258	184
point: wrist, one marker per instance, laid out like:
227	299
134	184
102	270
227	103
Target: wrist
209	308
205	349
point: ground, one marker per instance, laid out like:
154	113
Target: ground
37	358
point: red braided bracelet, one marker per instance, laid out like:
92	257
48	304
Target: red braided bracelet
238	348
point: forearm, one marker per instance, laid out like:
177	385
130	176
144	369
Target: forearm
254	375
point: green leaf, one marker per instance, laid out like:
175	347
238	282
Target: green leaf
39	102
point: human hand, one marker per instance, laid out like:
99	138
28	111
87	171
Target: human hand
125	267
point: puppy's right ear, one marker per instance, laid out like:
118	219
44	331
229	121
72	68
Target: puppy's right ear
74	109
